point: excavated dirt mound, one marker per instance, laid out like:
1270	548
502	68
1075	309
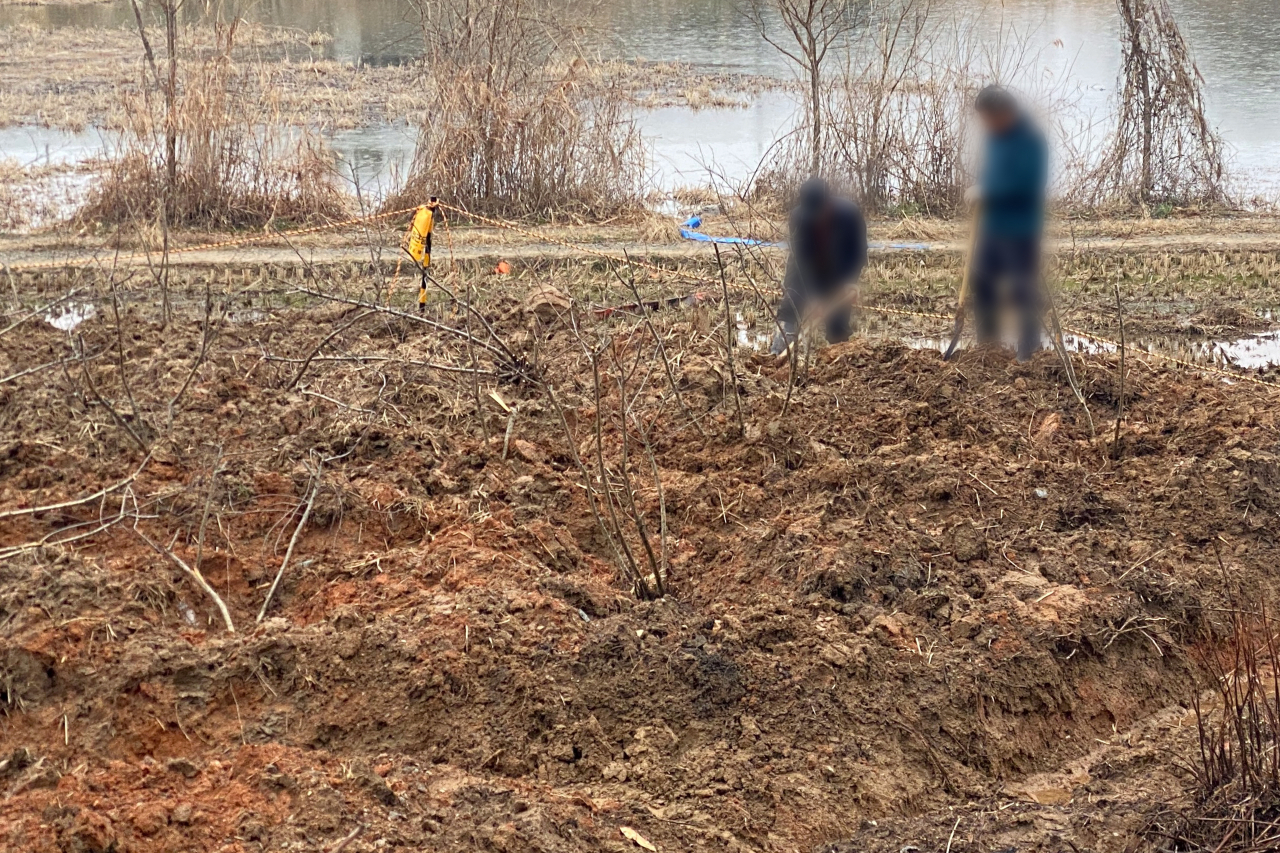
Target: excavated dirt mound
915	607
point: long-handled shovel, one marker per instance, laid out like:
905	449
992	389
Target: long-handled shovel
964	287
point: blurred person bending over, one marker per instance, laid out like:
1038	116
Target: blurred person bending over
828	241
1011	198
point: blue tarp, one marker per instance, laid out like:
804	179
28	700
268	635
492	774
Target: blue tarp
690	234
688	230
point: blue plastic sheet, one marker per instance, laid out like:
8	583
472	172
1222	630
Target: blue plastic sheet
690	234
688	230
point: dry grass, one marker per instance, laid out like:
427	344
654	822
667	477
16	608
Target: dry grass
73	78
651	85
77	78
518	123
13	207
1236	808
206	155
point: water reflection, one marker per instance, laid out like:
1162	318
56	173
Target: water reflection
689	147
68	317
377	159
376	32
33	146
1234	41
1255	352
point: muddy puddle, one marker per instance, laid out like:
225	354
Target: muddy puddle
68	317
1253	352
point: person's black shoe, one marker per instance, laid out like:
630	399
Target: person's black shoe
783	339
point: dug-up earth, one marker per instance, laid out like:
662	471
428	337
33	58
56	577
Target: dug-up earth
909	605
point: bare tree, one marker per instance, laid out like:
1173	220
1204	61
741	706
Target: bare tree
805	31
896	107
883	104
1163	148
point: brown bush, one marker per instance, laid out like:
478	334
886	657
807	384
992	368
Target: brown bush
195	153
898	111
517	122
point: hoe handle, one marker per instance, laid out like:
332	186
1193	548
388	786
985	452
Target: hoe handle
964	285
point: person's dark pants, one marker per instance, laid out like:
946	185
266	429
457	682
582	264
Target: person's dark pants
1006	270
798	298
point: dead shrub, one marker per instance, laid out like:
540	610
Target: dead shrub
1162	150
516	122
897	112
1236	806
195	152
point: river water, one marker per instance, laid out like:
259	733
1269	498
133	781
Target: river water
1236	43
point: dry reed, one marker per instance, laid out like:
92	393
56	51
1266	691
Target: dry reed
516	122
196	153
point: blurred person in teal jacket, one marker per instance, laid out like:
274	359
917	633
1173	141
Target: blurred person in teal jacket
1011	198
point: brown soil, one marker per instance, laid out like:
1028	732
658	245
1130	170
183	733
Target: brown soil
919	607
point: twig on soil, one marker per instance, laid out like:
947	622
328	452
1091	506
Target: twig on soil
471	310
792	353
208	501
103	492
306	362
293	540
39	312
662	503
933	756
1115	445
49	539
308	392
239	719
631	508
124	376
351	836
39	367
506	437
475	366
116	416
637	578
195	576
501	356
662	350
407	362
586	481
210	333
1060	345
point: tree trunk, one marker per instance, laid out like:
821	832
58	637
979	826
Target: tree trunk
1148	142
171	94
815	105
